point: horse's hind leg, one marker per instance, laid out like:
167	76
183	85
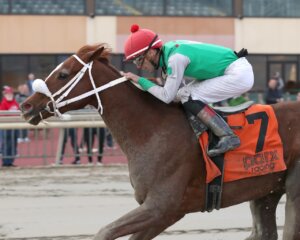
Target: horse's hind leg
154	231
264	217
292	209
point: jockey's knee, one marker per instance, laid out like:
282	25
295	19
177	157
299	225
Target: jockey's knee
245	81
183	95
193	106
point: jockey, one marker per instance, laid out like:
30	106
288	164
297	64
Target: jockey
219	73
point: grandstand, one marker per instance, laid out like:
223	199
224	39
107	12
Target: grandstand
60	27
42	7
108	7
221	8
119	7
274	8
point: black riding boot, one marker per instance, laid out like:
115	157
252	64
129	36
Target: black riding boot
228	140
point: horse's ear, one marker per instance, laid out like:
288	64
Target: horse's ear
95	54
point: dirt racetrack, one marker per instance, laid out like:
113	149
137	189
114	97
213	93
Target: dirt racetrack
74	202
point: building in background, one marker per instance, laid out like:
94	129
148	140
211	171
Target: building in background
36	35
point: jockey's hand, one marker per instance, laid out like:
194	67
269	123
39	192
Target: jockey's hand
131	76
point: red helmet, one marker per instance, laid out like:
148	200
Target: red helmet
139	41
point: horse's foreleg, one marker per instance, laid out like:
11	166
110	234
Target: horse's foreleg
292	210
161	204
264	217
138	220
154	231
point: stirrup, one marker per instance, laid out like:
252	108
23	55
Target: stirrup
225	144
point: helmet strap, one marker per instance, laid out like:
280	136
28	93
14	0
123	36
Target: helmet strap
155	64
147	50
151	43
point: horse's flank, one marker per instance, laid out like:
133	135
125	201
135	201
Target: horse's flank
288	117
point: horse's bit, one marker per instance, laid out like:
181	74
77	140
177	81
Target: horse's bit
40	86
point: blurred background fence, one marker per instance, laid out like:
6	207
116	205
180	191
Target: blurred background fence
51	142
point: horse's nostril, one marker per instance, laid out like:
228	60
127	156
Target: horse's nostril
26	107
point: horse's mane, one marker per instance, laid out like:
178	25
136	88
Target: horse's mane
104	57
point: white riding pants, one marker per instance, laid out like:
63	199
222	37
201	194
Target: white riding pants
238	78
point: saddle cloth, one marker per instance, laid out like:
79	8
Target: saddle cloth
261	150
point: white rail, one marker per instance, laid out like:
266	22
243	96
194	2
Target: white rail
78	119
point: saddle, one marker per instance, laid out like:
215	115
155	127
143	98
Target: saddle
198	127
260	153
214	188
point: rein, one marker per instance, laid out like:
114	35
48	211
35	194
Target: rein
40	86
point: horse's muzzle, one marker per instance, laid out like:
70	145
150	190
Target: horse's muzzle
30	114
26	107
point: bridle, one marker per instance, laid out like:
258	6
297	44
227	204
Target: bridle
40	86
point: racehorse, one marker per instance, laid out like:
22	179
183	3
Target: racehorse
165	162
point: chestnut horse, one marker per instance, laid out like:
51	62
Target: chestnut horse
164	158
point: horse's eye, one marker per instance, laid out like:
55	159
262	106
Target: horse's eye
62	75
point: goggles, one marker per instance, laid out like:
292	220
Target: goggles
138	61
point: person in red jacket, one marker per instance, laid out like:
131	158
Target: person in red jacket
10	136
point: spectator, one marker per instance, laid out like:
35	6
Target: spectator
273	94
89	135
9	143
72	133
23	93
298	97
109	139
280	82
31	78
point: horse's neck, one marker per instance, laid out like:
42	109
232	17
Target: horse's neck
138	121
149	132
125	107
135	117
